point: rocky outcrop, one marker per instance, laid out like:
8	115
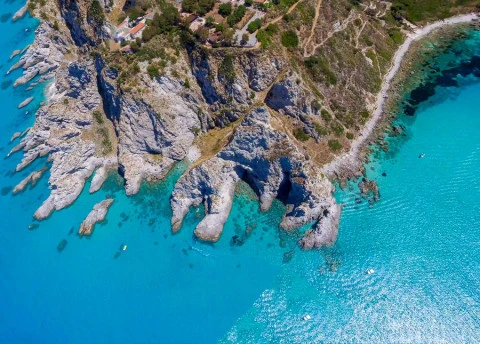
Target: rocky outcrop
154	131
98	214
369	189
25	102
271	164
261	71
20	13
64	128
31	179
41	57
228	83
291	98
74	16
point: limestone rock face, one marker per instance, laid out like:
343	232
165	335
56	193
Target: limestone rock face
154	131
271	164
228	87
261	72
290	97
41	57
64	127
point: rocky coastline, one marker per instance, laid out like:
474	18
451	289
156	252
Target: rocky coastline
91	125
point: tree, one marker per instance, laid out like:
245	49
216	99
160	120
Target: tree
237	15
189	6
202	34
248	3
210	22
227	70
245	38
149	32
228	35
205	6
225	9
169	17
95	13
290	39
254	25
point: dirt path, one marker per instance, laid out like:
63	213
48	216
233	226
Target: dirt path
342	27
350	158
290	10
312	30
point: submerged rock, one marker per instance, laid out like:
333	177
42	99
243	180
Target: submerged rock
61	245
369	188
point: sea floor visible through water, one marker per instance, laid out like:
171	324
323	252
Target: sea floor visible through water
421	238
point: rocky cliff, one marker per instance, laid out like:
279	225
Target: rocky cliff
271	164
269	117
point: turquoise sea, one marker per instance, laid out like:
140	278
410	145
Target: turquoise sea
422	239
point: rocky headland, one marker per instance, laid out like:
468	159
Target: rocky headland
254	114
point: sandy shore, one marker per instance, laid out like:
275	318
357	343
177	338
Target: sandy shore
350	160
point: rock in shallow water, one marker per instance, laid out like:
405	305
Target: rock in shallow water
97	214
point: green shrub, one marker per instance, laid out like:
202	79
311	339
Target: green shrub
334	145
254	25
320	71
337	128
95	12
349	136
227	69
225	9
153	71
272	29
290	39
396	35
237	15
205	6
106	143
301	135
288	17
321	130
97	115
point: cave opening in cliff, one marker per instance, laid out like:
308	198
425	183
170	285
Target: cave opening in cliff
285	188
248	178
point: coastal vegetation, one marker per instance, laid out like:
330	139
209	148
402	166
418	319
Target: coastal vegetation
418	11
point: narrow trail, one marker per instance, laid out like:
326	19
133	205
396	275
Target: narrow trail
359	33
342	27
312	30
290	10
350	158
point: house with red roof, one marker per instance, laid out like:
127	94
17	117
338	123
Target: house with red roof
136	32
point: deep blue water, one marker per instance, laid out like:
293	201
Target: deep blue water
422	239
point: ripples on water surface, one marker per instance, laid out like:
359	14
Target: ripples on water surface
422	239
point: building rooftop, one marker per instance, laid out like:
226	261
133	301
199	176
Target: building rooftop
137	28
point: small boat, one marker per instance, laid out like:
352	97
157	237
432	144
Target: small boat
124	247
307	317
421	156
370	271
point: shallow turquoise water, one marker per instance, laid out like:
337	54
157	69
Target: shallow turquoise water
422	239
